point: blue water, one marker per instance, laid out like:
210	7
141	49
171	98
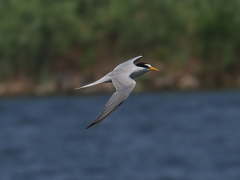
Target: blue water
159	136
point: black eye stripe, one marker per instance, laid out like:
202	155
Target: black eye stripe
143	65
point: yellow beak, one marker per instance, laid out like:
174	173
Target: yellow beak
153	69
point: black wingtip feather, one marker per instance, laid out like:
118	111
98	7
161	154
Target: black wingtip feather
90	125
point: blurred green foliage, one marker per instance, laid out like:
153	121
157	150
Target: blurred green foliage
34	33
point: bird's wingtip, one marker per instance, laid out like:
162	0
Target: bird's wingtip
135	59
90	125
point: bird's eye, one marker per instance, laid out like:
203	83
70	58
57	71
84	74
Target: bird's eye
144	65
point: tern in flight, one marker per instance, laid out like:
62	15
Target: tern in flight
122	78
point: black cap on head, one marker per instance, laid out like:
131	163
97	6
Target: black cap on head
145	65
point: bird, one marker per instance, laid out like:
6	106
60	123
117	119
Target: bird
122	78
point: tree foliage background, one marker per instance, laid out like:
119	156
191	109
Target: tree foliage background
35	35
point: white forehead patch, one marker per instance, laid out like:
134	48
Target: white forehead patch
148	65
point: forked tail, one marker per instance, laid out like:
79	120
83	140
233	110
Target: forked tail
104	79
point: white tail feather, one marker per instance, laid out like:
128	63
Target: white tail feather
104	79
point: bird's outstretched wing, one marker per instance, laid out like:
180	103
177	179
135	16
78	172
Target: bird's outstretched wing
133	60
124	86
107	77
129	62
